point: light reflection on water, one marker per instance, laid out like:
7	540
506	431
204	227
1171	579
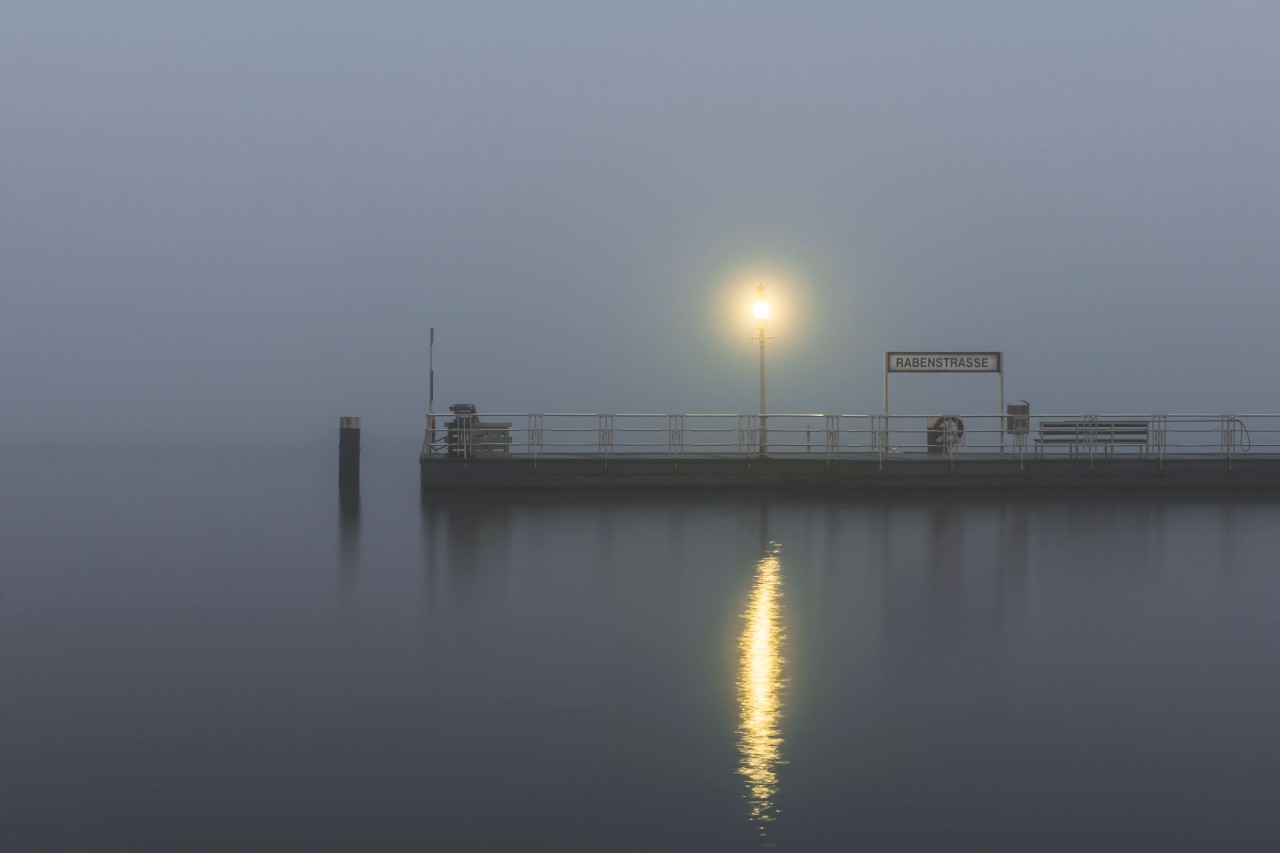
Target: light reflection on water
760	689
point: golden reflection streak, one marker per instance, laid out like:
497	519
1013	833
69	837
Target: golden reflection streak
760	689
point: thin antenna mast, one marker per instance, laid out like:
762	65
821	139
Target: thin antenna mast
431	385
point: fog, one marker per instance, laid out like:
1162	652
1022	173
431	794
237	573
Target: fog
236	222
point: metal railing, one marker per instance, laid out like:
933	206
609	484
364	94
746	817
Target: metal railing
818	436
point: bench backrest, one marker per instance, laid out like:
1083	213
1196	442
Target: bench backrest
1085	430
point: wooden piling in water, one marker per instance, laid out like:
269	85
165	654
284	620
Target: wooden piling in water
349	455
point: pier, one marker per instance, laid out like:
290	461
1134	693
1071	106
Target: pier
853	454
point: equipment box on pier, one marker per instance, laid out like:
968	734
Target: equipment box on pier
468	436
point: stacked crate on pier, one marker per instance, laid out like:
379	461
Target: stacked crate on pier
469	437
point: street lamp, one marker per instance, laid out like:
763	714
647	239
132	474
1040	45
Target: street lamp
760	310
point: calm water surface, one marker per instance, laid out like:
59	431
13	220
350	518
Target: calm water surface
204	650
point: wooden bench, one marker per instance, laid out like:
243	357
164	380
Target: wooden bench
1082	435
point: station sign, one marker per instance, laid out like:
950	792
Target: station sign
943	362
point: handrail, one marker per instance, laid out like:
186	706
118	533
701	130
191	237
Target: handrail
837	436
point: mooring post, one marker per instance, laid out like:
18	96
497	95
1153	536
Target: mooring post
349	455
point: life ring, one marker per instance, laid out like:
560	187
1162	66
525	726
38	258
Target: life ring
948	431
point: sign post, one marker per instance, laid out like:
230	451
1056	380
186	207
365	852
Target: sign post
944	362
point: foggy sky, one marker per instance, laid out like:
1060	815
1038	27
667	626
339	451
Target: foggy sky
236	221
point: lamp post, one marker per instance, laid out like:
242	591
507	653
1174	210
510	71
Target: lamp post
760	310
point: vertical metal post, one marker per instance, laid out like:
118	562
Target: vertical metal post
884	440
1091	435
1162	423
431	388
1003	415
761	311
882	445
535	437
764	424
1228	436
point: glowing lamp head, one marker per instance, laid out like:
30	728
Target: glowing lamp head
760	310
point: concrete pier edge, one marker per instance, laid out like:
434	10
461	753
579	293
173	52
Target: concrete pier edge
450	475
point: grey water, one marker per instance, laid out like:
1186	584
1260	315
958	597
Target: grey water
209	650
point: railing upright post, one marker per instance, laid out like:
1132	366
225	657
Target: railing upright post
604	432
535	436
1228	436
883	443
748	435
1091	436
1162	426
675	434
